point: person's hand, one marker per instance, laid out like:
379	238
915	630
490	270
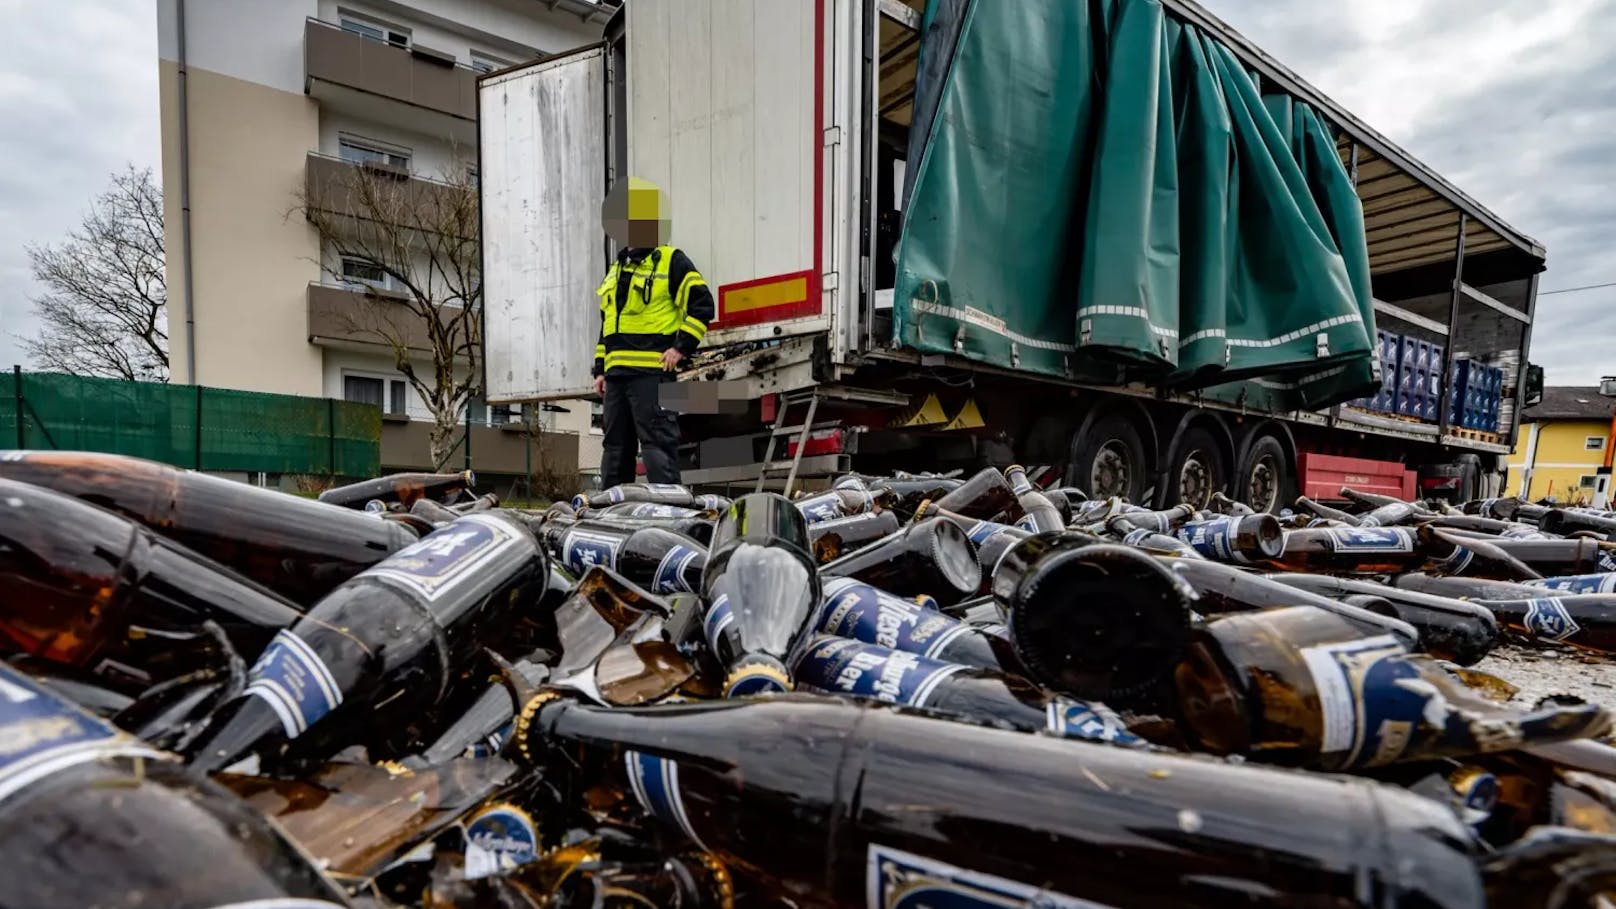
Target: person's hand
671	358
600	385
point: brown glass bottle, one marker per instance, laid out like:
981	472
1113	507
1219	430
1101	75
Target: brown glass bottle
1454	630
382	646
78	579
1507	510
1143	538
931	557
1038	513
856	610
298	548
404	488
698	529
1552	868
1092	620
1319	510
1561	521
1161	521
1243	540
986	495
1222	504
1390	515
1374	500
659	560
970	815
652	510
1300	686
1225	588
762	593
1465	588
906	495
990	538
432	511
835	503
118	823
1478	524
832	539
1586	621
1551	558
1359	550
659	493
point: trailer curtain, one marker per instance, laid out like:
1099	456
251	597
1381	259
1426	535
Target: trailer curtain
1103	185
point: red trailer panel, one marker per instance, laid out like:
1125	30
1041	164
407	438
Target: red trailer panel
1323	476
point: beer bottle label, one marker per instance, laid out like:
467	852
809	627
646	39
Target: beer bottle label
710	502
1578	583
1456	563
1084	720
1370	539
582	550
1524	533
42	732
448	557
1550	620
843	666
670	573
672	489
499	839
895	879
1605	562
490	744
1213	539
295	682
982	531
655	783
658	510
827	507
719	617
1372	699
279	902
864	613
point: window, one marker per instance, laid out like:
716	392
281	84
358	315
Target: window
487	63
374	29
506	413
360	272
1594	443
597	417
359	150
1586	481
396	402
477	410
378	391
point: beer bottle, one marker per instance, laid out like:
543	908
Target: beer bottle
299	548
418	526
1144	538
1557	557
659	560
1562	521
92	817
1360	550
947	809
1390	515
990	538
762	593
1454	630
1300	686
1603	582
862	669
906	495
1373	500
1454	555
1507	510
1465	588
853	609
1225	588
1320	510
1071	495
1222	504
1475	523
836	503
1039	514
931	557
1162	521
404	488
658	493
485	727
82	584
1098	511
485	502
1240	539
698	529
640	510
432	511
1551	868
1585	621
1092	620
832	539
382	645
986	495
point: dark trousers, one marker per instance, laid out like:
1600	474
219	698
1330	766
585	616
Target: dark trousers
632	414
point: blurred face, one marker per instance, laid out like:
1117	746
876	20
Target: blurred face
637	213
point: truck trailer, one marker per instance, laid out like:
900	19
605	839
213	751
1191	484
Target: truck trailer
1110	240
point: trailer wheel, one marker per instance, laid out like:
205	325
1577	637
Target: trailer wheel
1197	470
1265	480
1108	459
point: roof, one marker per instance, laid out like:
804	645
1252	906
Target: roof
1570	402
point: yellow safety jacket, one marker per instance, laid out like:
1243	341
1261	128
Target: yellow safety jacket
650	300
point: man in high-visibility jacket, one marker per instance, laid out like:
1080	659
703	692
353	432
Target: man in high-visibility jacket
654	310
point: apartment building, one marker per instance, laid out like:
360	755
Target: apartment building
1560	449
265	100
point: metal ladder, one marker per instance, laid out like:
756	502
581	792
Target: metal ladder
780	428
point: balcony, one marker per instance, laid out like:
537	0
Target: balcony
339	65
332	184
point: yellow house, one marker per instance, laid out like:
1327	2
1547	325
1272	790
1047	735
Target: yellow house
1561	445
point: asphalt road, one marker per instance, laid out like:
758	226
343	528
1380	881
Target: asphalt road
1541	671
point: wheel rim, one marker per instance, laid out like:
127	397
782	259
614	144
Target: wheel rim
1262	487
1110	474
1196	479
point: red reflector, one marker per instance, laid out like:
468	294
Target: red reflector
820	442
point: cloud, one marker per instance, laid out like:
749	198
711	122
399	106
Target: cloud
1511	100
78	85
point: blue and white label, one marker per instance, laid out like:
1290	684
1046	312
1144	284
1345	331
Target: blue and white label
1604	561
655	783
1550	620
1372	699
1370	539
982	531
449	557
582	550
1213	539
499	839
658	510
1578	583
1073	719
843	666
295	682
1525	533
671	571
720	616
710	502
42	733
895	879
826	507
1456	564
853	609
490	744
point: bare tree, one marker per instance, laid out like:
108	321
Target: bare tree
422	235
105	307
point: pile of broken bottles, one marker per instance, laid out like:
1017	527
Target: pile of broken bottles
899	691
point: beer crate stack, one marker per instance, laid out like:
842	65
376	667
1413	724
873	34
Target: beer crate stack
1476	394
906	690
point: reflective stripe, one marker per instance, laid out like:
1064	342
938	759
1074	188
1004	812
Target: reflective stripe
633	358
694	328
692	281
600	351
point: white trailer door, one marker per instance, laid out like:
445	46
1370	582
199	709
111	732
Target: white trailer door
543	155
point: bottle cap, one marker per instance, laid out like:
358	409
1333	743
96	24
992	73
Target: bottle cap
757	675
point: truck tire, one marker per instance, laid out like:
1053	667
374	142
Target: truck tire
1108	459
1266	479
1197	469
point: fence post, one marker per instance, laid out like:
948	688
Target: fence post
16	388
331	436
468	433
198	432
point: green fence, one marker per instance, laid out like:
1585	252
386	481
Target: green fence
190	425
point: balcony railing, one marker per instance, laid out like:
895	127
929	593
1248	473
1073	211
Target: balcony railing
417	76
330	184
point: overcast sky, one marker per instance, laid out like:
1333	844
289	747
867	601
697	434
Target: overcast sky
1513	100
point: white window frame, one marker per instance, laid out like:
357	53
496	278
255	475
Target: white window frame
1587	481
362	24
484	62
389	382
1593	443
387	282
388	150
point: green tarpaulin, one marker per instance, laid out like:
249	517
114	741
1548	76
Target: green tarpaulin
1101	185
